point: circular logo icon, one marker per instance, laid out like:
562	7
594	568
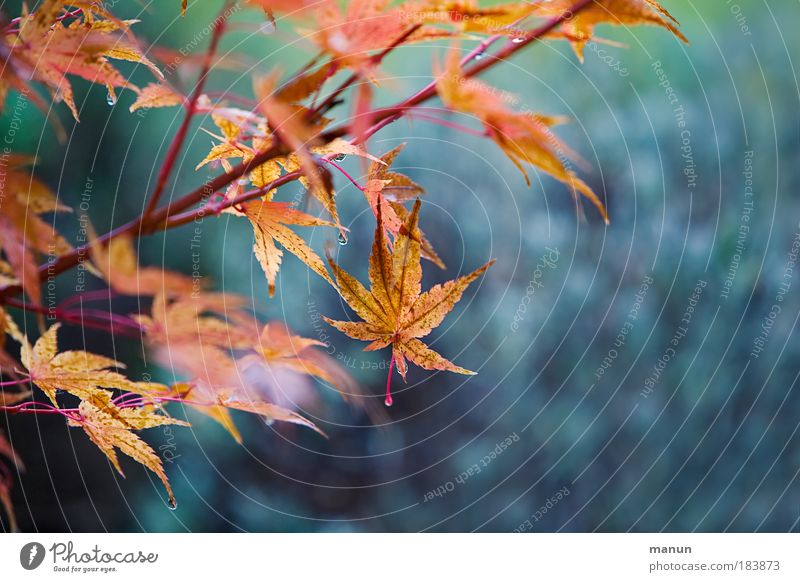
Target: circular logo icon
31	555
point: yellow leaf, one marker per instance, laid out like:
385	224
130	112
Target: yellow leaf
394	310
269	220
525	138
580	28
156	95
271	412
80	373
110	428
117	263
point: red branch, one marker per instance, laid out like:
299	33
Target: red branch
177	212
191	108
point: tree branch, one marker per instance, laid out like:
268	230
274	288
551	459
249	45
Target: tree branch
180	137
164	217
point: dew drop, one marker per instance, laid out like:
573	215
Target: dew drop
342	239
388	402
173	505
518	39
111	99
269	421
479	56
267	28
339	157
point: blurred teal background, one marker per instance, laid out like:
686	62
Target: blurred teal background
603	421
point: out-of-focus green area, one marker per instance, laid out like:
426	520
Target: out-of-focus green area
635	376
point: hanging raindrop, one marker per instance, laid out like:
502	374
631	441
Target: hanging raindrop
342	239
111	99
339	157
173	505
518	39
479	56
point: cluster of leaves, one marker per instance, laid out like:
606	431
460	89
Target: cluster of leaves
222	357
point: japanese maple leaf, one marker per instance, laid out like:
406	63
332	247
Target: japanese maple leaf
351	35
579	29
209	372
390	189
284	365
202	319
117	263
217	384
156	95
50	50
468	17
524	137
111	427
270	220
394	310
8	365
79	373
196	338
23	233
267	410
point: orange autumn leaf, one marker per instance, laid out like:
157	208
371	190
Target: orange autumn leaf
394	310
8	365
278	349
198	319
468	16
580	28
156	95
524	137
217	383
51	49
304	86
268	411
392	188
111	427
352	34
269	221
119	267
192	337
23	233
79	373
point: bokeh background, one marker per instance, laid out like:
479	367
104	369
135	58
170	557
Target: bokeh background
600	426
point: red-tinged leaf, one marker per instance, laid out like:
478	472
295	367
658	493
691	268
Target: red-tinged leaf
523	137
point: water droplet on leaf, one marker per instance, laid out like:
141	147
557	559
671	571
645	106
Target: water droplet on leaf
518	39
388	402
479	56
173	505
339	157
111	99
342	239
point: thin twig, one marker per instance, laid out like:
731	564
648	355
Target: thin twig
173	214
180	137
